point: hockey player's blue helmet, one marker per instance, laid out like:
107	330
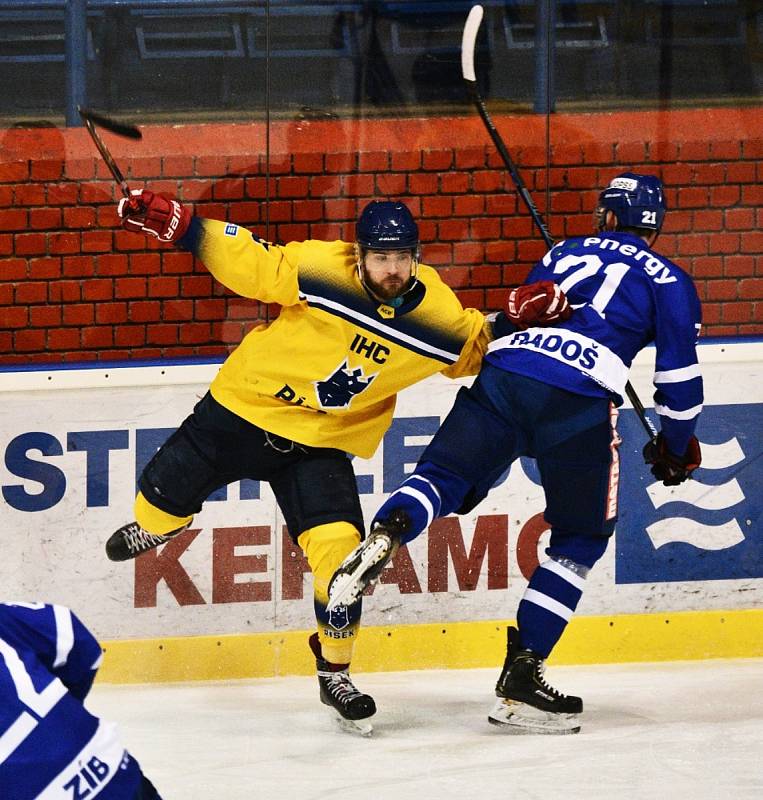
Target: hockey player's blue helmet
636	200
386	225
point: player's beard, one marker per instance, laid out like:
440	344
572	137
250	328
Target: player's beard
389	288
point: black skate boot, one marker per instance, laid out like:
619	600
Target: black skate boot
339	692
527	702
131	540
365	563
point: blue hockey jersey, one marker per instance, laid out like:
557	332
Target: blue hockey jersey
625	296
51	748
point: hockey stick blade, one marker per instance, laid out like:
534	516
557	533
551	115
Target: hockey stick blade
469	42
109	124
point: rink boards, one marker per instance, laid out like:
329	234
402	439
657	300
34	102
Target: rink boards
683	577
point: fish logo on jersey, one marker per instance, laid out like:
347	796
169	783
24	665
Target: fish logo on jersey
338	389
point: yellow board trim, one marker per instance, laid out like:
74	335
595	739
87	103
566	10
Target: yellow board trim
670	636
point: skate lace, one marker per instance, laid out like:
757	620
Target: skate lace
340	686
540	669
137	539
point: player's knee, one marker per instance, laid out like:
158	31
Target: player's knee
154	520
325	547
584	550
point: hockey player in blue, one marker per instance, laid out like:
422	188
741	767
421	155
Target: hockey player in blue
51	748
551	393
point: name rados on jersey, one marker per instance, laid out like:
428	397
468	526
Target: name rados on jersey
655	267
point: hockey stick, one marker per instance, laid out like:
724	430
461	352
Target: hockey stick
468	42
90	120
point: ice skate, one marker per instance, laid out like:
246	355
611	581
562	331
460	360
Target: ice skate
364	564
131	540
351	707
527	703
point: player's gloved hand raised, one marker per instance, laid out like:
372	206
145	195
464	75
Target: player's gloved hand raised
541	303
668	467
154	214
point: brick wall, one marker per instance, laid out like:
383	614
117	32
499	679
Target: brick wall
74	286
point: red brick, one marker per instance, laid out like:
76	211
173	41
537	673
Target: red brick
31	292
471	158
45	316
13	219
196	286
455	277
277	165
721	289
293	233
111	314
64	291
97	289
162	334
501	252
246	214
485	228
325	186
145	263
29	194
571	154
176	263
752	243
80	217
144	311
96	193
531	251
711	220
30	244
496	299
454	183
6	196
488	276
125	241
753	148
341	163
175	311
29	341
79	314
488	181
14	171
707	267
730	150
438	160
129	287
78	266
469	253
228	189
195	333
471	298
709	173
469	205
62	194
111	264
129	335
293	186
405	161
46	169
692	197
456	230
355	185
390	184
751	289
177	166
97	241
80	169
308	211
97	337
437	206
752	195
199	190
695	151
63	339
517	227
15	317
139	167
565	202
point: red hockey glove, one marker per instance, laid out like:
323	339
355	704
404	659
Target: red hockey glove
541	303
668	467
154	214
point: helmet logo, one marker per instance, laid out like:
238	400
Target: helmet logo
628	184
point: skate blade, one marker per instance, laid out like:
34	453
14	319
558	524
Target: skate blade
347	586
514	717
356	727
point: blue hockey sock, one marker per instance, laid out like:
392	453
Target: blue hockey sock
548	604
430	492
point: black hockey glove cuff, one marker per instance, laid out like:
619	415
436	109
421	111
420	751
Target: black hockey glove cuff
668	467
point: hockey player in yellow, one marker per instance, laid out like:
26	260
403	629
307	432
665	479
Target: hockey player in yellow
358	323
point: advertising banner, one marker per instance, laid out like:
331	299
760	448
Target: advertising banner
74	442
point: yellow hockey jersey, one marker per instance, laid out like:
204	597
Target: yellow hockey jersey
327	371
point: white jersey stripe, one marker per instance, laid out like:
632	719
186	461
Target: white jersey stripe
572	348
64	635
689	413
544	601
422	498
678	375
566	574
385	330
